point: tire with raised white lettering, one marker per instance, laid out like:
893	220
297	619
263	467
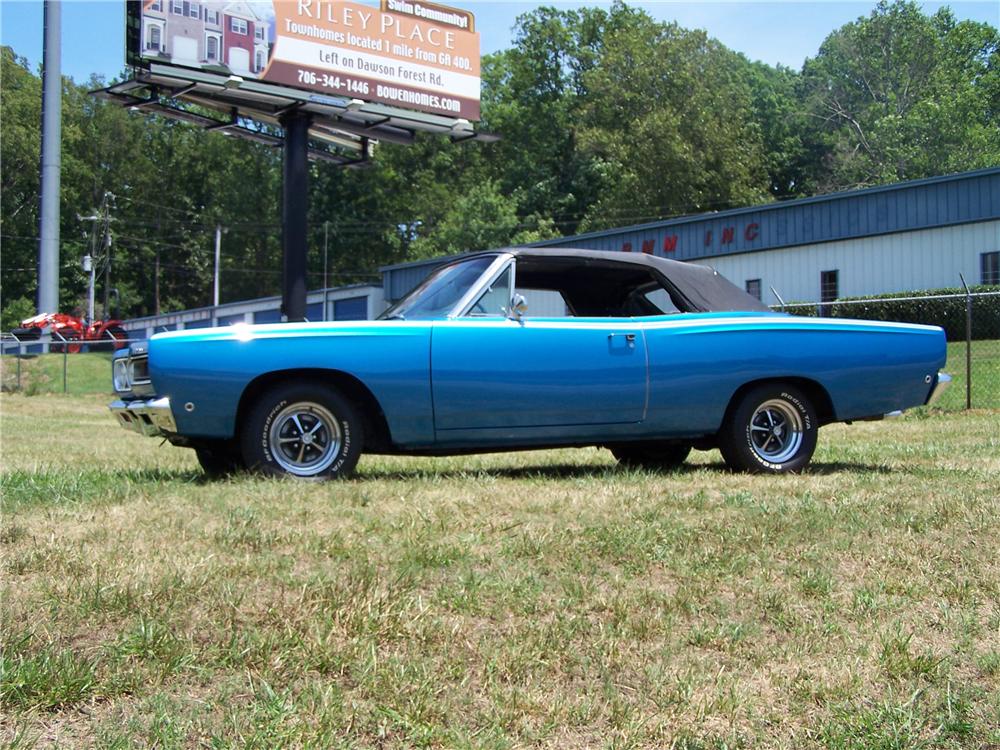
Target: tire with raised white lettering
306	430
772	429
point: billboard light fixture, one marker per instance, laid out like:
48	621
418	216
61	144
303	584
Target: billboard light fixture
330	101
354	105
233	82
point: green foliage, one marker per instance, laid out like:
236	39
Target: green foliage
20	113
15	311
482	218
669	119
44	678
915	307
901	95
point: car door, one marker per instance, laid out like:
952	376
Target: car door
512	375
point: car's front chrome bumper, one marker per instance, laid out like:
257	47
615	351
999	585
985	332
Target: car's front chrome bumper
151	417
943	381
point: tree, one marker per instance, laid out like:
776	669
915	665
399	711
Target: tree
669	115
20	113
900	95
776	112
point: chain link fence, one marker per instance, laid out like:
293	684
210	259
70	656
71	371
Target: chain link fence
971	321
50	363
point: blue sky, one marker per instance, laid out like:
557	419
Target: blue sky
775	32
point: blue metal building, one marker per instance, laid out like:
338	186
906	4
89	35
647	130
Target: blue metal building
908	236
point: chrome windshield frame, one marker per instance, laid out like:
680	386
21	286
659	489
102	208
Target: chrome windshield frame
475	290
490	275
411	299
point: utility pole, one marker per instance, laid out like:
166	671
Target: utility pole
51	161
107	254
156	267
218	260
326	283
88	266
91	259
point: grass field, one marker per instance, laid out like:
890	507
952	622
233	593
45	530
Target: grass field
86	372
540	599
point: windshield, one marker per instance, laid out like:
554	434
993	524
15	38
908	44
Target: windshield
438	294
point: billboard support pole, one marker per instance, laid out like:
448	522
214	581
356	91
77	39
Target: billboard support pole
51	160
294	215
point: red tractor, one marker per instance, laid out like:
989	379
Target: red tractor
74	331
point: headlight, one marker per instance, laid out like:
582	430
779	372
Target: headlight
138	370
119	371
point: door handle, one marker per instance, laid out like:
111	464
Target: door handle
629	337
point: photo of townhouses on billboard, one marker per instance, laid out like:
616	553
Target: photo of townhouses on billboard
421	56
234	37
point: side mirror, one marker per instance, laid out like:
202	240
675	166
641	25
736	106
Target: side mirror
518	307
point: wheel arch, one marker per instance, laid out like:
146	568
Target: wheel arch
376	428
812	389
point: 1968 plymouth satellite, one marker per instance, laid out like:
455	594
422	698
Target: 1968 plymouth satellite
645	356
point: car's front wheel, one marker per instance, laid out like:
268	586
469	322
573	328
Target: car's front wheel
654	456
305	430
772	429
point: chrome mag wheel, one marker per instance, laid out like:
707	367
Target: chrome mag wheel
776	431
770	429
305	438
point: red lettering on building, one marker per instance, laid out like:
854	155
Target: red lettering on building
727	235
670	243
708	238
648	246
752	232
626	247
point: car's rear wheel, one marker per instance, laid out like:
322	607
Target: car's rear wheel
651	455
304	430
771	430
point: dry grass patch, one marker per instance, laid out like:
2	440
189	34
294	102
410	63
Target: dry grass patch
542	599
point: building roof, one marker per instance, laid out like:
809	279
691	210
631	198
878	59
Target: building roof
904	206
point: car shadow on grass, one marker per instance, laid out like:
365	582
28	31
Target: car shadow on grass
841	467
591	471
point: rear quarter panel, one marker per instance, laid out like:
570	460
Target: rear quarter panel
697	363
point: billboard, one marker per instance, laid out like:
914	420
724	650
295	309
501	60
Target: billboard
415	55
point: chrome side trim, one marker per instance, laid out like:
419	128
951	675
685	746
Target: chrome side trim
943	381
151	417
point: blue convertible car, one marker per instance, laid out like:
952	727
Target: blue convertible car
647	357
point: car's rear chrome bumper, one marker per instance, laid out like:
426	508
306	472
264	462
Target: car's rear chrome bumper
943	381
151	417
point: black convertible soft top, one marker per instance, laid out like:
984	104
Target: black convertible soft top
705	288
